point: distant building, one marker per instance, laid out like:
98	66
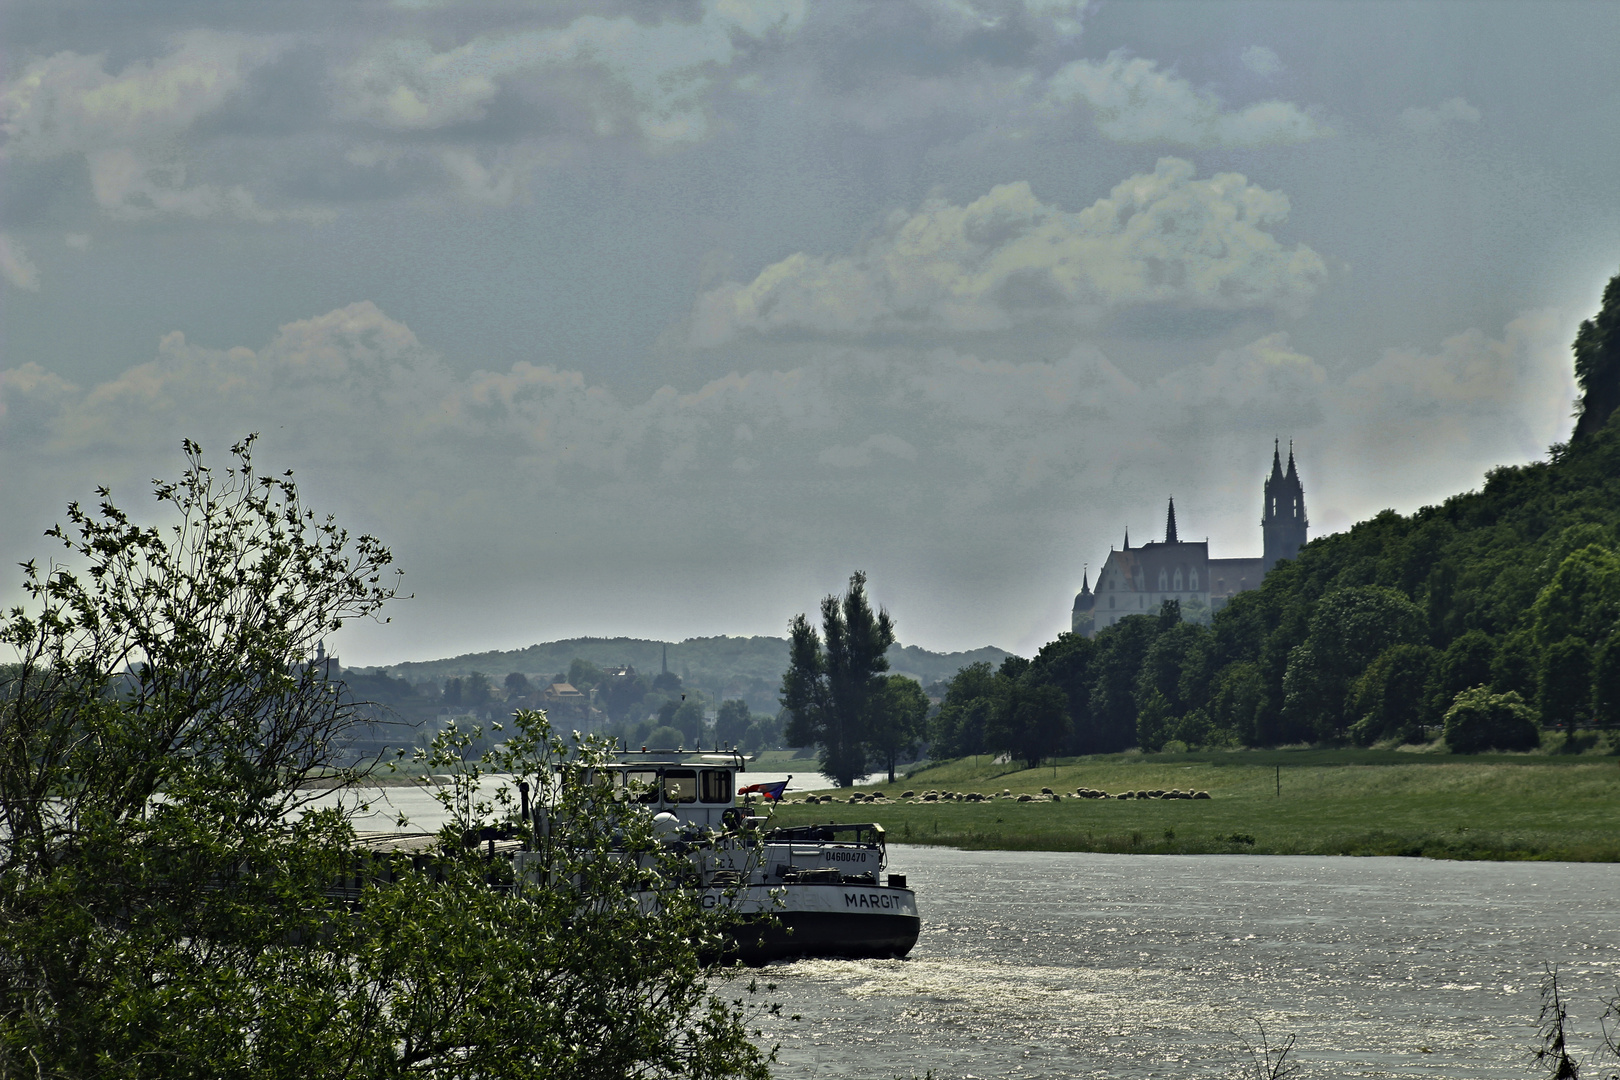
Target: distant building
1136	581
563	699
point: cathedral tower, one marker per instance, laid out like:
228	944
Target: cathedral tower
1284	524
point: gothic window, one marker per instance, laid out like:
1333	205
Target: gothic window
1164	582
1110	601
1178	579
1192	582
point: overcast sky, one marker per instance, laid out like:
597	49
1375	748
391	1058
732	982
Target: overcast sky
658	319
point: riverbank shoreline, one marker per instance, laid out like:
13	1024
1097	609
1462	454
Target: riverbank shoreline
1311	802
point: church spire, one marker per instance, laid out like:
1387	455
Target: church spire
1283	525
1170	524
1085	582
1127	538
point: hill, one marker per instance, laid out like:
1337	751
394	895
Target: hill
1369	635
726	667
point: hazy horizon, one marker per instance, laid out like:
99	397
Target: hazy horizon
657	320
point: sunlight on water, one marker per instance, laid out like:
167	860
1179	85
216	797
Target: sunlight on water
1079	965
1038	965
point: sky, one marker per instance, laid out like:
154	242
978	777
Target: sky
658	319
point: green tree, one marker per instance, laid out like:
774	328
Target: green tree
1582	599
1030	721
1392	697
1238	701
958	727
1566	683
899	721
1348	630
1480	720
583	675
1116	665
1066	664
665	737
476	693
623	694
1597	363
731	722
1465	664
830	692
1606	683
165	907
518	686
1153	721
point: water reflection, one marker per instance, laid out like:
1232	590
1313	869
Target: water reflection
1079	965
1049	965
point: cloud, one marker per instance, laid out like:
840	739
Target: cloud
131	127
861	455
69	104
1262	61
492	481
1425	121
1158	238
1134	101
1266	383
1474	390
15	267
656	75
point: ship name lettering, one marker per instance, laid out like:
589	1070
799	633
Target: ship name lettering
869	900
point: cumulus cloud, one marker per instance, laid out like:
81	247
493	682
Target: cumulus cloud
1475	389
69	103
1266	381
1158	238
15	267
1262	61
358	387
129	127
1135	101
1425	121
656	73
874	453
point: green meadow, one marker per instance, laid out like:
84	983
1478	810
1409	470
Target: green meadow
1281	802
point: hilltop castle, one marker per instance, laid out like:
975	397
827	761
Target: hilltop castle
1136	581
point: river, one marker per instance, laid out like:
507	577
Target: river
1081	965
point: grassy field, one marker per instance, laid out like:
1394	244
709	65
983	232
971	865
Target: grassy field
1331	802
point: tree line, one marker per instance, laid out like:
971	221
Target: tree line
1490	617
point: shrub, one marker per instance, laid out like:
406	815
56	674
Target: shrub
1479	720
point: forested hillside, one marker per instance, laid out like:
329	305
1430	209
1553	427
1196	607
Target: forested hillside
744	667
1368	635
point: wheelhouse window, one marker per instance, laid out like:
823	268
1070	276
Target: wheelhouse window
643	784
680	785
717	786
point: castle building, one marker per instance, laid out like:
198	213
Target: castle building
1136	581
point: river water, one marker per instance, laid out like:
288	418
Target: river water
1082	965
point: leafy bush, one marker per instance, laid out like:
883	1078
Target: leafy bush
1480	720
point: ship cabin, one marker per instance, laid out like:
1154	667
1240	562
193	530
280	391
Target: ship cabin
696	786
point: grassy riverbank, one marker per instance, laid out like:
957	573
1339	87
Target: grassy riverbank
1331	802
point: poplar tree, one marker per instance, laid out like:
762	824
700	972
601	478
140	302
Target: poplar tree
830	691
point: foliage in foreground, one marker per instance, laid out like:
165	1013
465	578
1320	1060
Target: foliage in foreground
167	906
